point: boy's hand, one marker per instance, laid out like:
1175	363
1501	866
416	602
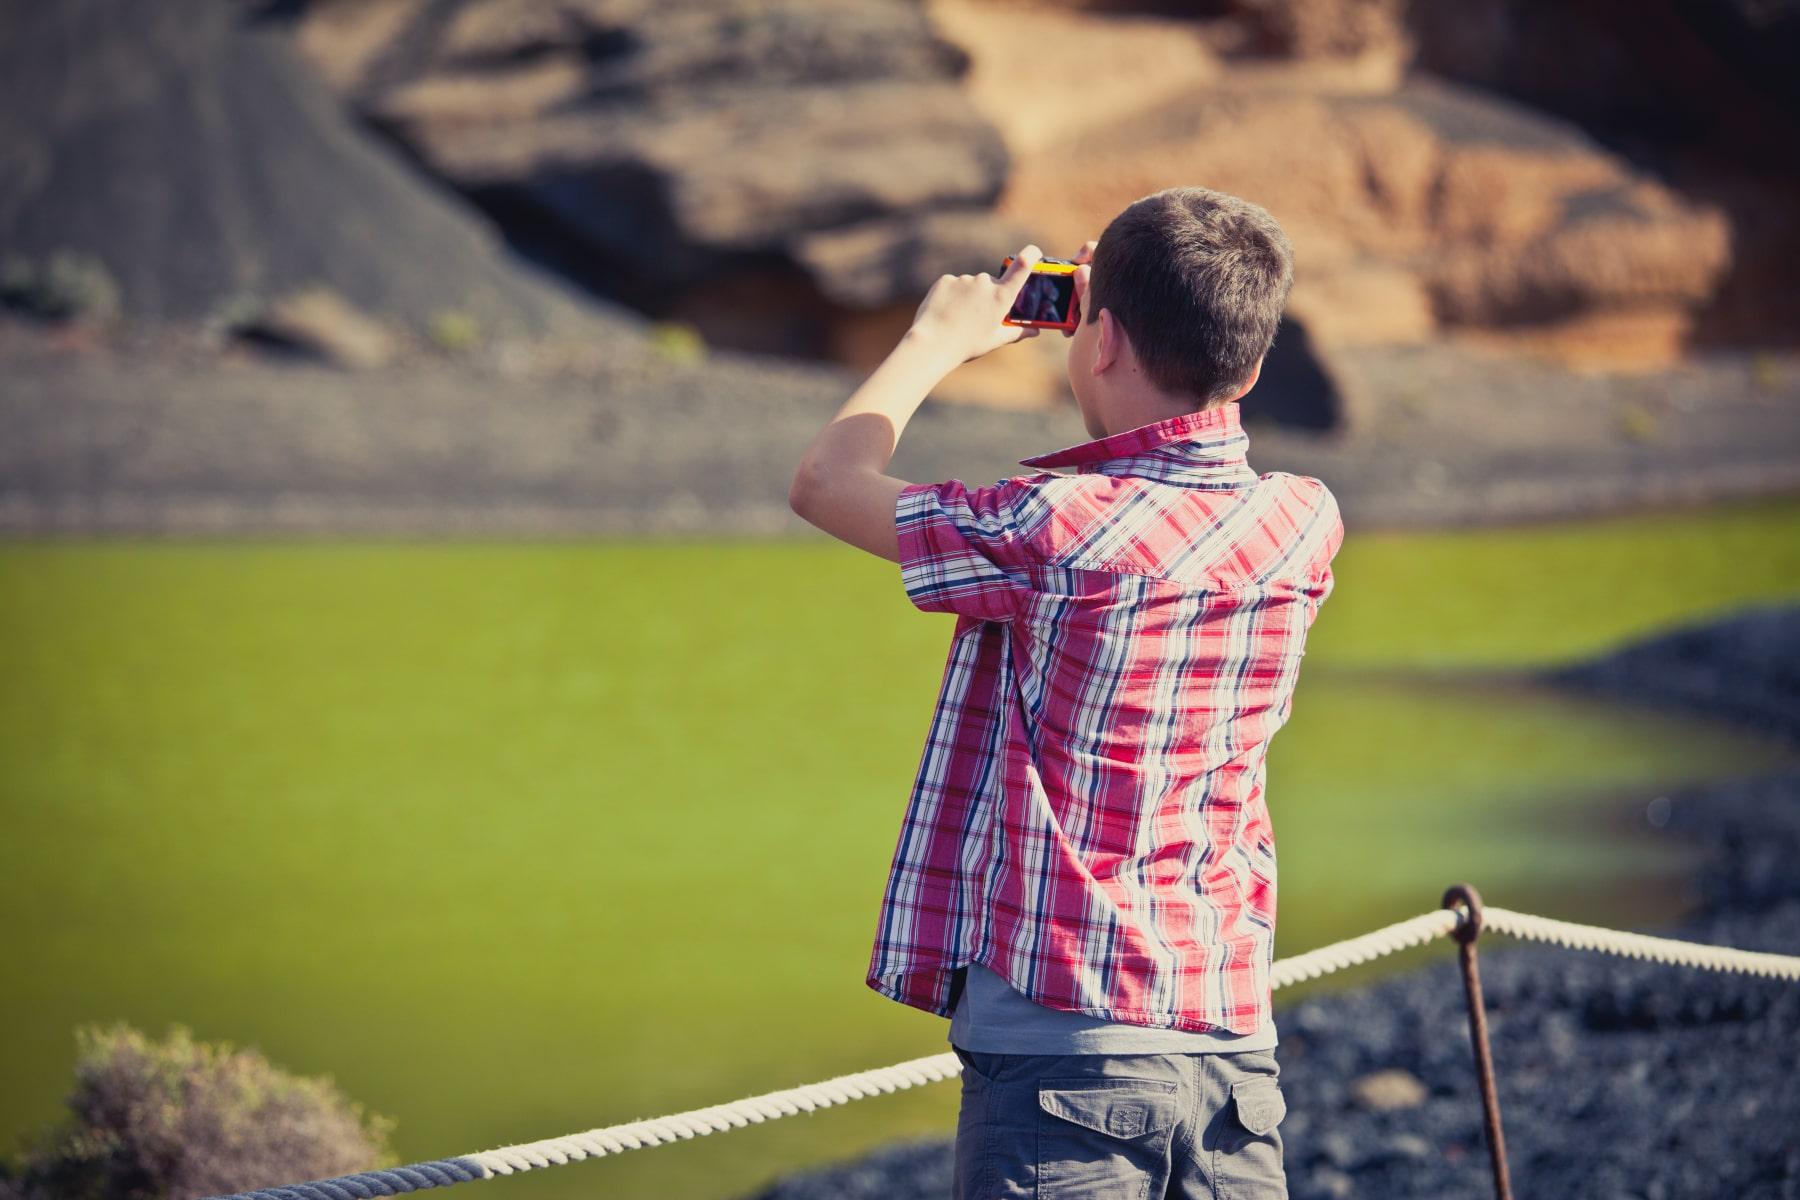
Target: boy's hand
961	314
1084	256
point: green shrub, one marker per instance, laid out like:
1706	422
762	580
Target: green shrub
1639	423
66	284
678	341
454	331
1765	372
179	1119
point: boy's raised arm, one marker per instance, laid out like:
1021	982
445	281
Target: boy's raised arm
840	485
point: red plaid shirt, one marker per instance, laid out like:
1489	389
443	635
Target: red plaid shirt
1088	817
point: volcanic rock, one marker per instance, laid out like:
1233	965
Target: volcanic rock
182	147
1744	668
674	139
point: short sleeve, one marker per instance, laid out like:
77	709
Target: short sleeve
1329	545
1323	584
963	550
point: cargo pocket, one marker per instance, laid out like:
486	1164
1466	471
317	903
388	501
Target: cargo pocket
1247	1155
1104	1137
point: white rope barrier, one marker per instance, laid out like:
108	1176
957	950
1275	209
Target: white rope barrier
700	1121
1639	945
770	1106
1415	931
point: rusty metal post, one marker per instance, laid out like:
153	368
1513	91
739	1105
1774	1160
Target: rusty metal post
1466	933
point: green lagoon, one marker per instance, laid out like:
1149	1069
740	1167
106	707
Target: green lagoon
517	839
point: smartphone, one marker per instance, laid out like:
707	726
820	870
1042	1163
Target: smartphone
1047	301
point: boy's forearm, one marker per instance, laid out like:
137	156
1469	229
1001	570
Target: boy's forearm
842	485
866	430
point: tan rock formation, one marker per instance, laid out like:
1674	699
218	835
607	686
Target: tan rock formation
1417	208
673	139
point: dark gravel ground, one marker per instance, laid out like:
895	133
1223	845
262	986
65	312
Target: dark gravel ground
1618	1079
1745	668
148	433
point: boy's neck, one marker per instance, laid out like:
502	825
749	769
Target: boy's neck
1139	411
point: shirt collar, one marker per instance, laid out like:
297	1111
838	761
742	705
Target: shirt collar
1207	445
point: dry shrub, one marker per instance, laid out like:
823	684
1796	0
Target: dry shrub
180	1119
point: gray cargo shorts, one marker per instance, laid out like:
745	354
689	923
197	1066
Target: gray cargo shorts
1119	1126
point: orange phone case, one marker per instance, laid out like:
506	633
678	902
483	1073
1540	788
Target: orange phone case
1048	266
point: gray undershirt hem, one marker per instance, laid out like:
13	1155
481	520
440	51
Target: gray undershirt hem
992	1017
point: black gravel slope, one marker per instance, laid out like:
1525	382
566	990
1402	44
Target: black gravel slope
1743	668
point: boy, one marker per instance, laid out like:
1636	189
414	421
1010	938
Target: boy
1085	877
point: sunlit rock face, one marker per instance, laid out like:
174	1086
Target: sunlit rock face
1703	96
791	177
675	144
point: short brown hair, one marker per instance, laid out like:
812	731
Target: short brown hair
1197	278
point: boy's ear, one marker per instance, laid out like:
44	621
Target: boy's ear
1107	344
1255	374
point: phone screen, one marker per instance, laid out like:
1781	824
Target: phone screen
1044	297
